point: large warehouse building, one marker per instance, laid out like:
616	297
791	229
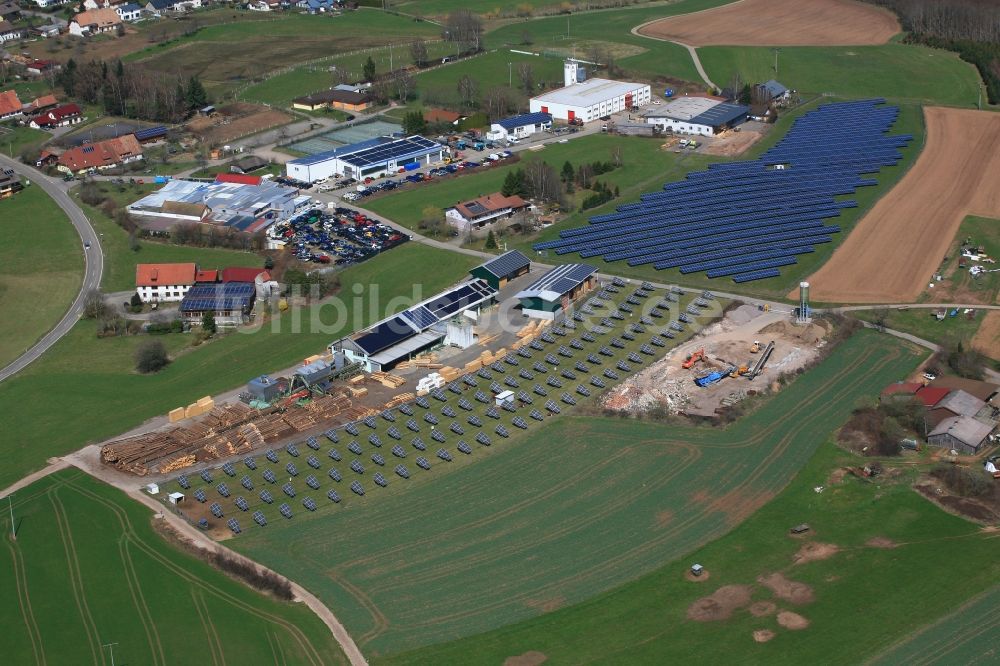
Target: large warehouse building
589	99
703	116
375	157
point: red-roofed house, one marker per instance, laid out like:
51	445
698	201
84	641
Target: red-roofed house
237	178
42	104
10	104
206	275
441	116
101	155
61	116
484	210
164	282
39	66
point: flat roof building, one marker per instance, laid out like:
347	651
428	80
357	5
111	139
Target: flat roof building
374	157
555	290
519	126
703	116
589	99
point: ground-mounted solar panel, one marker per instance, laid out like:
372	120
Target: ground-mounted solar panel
378	459
482	397
511	382
552	381
684	317
269	476
569	324
637	328
580	366
547	338
444	455
423	463
401	471
654	312
586	309
438	436
657	341
508	406
399	451
223	489
430	418
456	428
523	353
370	421
331	435
518	422
538	367
537	415
455	387
647	350
291	469
623	309
628	335
439	395
312	482
352	428
292	451
234	525
692	310
537	388
568	374
611	374
635	358
288	489
206	476
334	454
313	462
558	330
493	413
594	359
380	480
357	467
394	433
375	440
503	432
464	448
616	282
552	407
258	517
312	443
334	496
599	300
406	409
469	380
617	343
618	314
335	475
578	316
525	374
246	482
483	438
496	388
632	300
418	444
250	462
412	425
266	496
271	456
183	482
229	469
421	401
216	509
242	504
485	374
607	323
583	390
524	397
597	381
575	344
511	359
497	366
568	399
309	504
623	366
564	351
200	495
357	488
677	326
551	360
448	411
474	421
285	510
668	334
611	289
604	351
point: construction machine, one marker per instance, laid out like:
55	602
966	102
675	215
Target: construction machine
755	347
715	376
693	358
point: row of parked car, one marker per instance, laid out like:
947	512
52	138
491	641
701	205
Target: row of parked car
343	236
374	187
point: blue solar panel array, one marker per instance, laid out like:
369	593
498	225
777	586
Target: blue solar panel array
220	297
744	220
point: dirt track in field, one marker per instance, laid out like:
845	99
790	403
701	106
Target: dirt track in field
779	23
893	251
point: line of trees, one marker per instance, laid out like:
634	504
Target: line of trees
132	91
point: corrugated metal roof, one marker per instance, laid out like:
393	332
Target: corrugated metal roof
963	428
590	92
720	114
506	264
558	281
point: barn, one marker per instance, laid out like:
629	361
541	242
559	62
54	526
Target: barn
498	272
553	292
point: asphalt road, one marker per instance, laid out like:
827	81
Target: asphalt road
93	260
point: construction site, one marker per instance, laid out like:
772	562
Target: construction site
740	356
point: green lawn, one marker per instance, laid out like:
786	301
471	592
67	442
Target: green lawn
959	286
88	569
15	139
644	168
543	522
900	71
919	322
212	171
41	265
910	121
84	389
489	70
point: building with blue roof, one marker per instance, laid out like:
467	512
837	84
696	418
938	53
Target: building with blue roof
703	116
372	158
519	126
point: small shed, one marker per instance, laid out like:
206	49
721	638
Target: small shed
503	397
498	272
175	498
152	489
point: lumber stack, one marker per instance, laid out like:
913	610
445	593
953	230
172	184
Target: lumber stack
388	380
399	400
177	462
300	420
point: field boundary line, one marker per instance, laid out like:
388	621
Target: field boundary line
24	601
211	636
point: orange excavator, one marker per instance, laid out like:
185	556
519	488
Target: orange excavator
693	358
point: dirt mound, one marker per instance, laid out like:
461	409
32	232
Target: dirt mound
793	621
532	658
720	604
895	248
763	635
787	590
810	333
762	608
779	23
881	542
815	551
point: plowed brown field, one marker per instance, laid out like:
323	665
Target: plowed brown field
779	23
892	253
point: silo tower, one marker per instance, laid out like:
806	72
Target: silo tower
803	314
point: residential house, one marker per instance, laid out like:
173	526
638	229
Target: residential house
479	212
441	116
10	11
46	31
50	3
41	104
8	32
60	116
158	283
264	5
39	67
94	22
101	155
317	6
344	100
129	12
10	104
157	7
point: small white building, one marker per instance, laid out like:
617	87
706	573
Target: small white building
703	116
9	32
129	12
520	126
375	157
589	99
164	283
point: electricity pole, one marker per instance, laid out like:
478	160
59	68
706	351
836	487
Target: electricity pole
10	502
776	51
111	647
510	75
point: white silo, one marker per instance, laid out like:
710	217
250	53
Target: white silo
802	316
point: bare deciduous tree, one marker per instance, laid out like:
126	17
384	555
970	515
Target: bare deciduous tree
497	102
527	76
418	51
468	90
465	29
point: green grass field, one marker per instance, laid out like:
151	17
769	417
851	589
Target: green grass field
645	167
910	122
541	523
959	283
15	139
84	389
919	322
965	636
87	569
483	7
899	71
489	70
41	265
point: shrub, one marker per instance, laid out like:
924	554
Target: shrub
151	356
964	481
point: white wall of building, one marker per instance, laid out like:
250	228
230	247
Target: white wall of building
163	293
641	96
680	126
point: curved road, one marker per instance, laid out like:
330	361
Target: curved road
691	49
93	260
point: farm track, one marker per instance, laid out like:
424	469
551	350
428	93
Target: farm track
214	645
24	602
